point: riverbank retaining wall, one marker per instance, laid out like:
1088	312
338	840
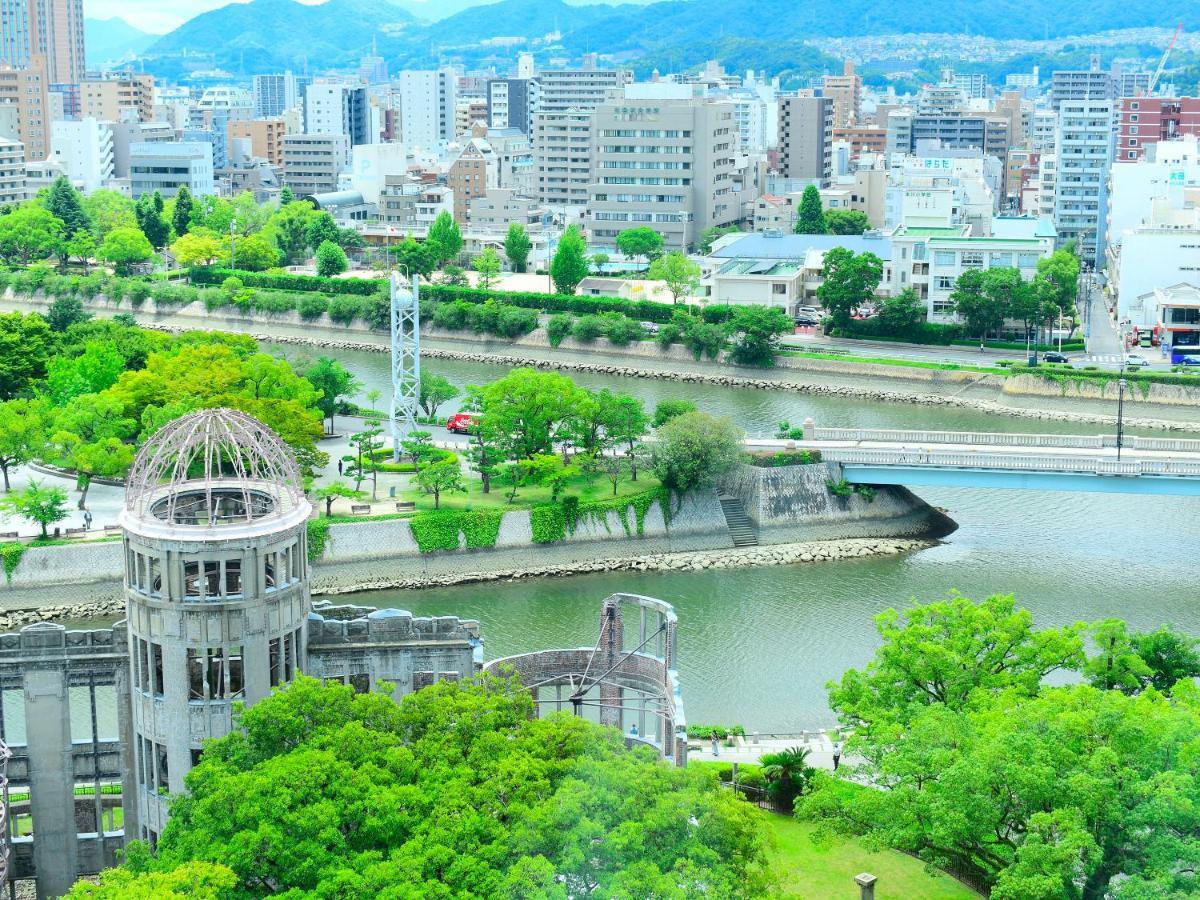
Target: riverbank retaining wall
794	503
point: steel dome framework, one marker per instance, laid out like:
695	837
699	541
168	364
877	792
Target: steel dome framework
212	467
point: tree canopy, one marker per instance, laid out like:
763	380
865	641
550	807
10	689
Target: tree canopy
454	792
810	218
444	238
850	280
517	246
570	263
641	241
680	274
694	449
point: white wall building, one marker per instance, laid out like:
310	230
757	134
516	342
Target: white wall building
1085	142
163	167
427	103
85	151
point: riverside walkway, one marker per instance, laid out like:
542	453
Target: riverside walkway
1067	462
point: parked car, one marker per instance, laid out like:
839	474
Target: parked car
1055	357
807	320
808	311
1136	360
462	423
649	327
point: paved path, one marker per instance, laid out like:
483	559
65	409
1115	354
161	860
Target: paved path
750	749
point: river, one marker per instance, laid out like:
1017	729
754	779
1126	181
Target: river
757	645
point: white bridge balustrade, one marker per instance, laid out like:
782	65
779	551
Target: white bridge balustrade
1000	439
1020	462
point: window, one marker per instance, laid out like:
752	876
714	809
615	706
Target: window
972	259
1027	260
943	258
778	288
1000	259
156	669
944	282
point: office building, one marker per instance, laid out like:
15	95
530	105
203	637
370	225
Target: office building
511	103
845	91
126	134
264	136
806	138
1085	144
49	30
84	149
1144	121
908	132
667	160
336	108
25	99
165	167
312	162
111	99
1090	84
428	99
562	130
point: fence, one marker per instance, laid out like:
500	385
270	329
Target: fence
1013	462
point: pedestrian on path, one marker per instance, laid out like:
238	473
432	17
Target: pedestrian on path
716	745
87	520
339	467
837	754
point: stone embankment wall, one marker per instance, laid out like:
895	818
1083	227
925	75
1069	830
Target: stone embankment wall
1092	389
794	503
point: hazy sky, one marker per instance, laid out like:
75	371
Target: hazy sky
154	15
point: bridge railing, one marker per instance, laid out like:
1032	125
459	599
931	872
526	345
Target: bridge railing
973	438
1011	461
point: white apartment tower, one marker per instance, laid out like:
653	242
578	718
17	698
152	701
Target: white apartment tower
84	149
427	101
1085	142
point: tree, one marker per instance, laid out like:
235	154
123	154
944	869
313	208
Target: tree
710	235
1170	655
666	410
149	214
904	314
599	261
694	449
181	218
30	233
191	881
454	276
467	791
1058	277
199	247
850	280
26	342
93	370
517	246
846	221
331	260
108	209
42	506
330	492
527	411
419	447
788	775
65	312
810	219
414	257
125	247
330	377
570	265
22	434
613	467
64	203
107	457
641	241
757	330
442	477
367	443
288	229
256	253
981	312
433	392
81	246
321	228
349	239
625	421
444	238
680	274
484	449
286	196
487	265
1117	664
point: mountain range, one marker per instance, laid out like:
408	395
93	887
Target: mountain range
111	40
269	35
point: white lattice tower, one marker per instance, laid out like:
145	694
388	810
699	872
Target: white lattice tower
406	359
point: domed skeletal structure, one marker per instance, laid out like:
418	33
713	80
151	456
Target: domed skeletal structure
213	467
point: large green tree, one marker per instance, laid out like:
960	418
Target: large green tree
109	209
330	377
678	273
444	238
288	228
849	280
434	391
694	449
981	312
150	219
26	344
846	221
22	434
321	228
125	247
413	257
65	203
528	411
331	260
810	217
756	331
487	268
641	241
181	216
457	791
30	233
570	263
517	246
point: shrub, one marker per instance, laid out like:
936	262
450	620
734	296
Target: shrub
274	302
345	308
214	299
288	282
138	292
452	316
588	328
559	327
841	488
377	311
312	306
514	322
621	331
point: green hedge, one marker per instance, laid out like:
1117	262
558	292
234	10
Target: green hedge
705	732
924	333
289	282
440	529
318	538
646	310
1143	379
11	555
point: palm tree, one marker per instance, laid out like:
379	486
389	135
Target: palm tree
788	775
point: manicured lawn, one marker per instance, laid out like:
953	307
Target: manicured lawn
826	870
587	490
834	356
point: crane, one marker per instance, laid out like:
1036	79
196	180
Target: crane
1162	63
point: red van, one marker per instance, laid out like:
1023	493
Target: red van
462	423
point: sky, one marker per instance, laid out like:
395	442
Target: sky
155	16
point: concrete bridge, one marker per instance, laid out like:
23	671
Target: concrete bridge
1045	462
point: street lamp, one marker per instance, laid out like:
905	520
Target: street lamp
1120	411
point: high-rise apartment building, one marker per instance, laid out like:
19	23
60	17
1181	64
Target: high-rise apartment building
511	103
265	137
845	91
1085	143
23	94
48	29
312	162
13	187
562	130
1087	84
1143	121
84	149
665	160
806	127
275	93
427	103
338	108
109	98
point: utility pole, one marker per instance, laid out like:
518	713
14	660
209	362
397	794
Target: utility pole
406	359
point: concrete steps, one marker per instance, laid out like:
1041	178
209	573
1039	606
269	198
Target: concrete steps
741	529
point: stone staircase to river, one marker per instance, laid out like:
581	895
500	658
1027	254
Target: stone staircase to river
741	529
